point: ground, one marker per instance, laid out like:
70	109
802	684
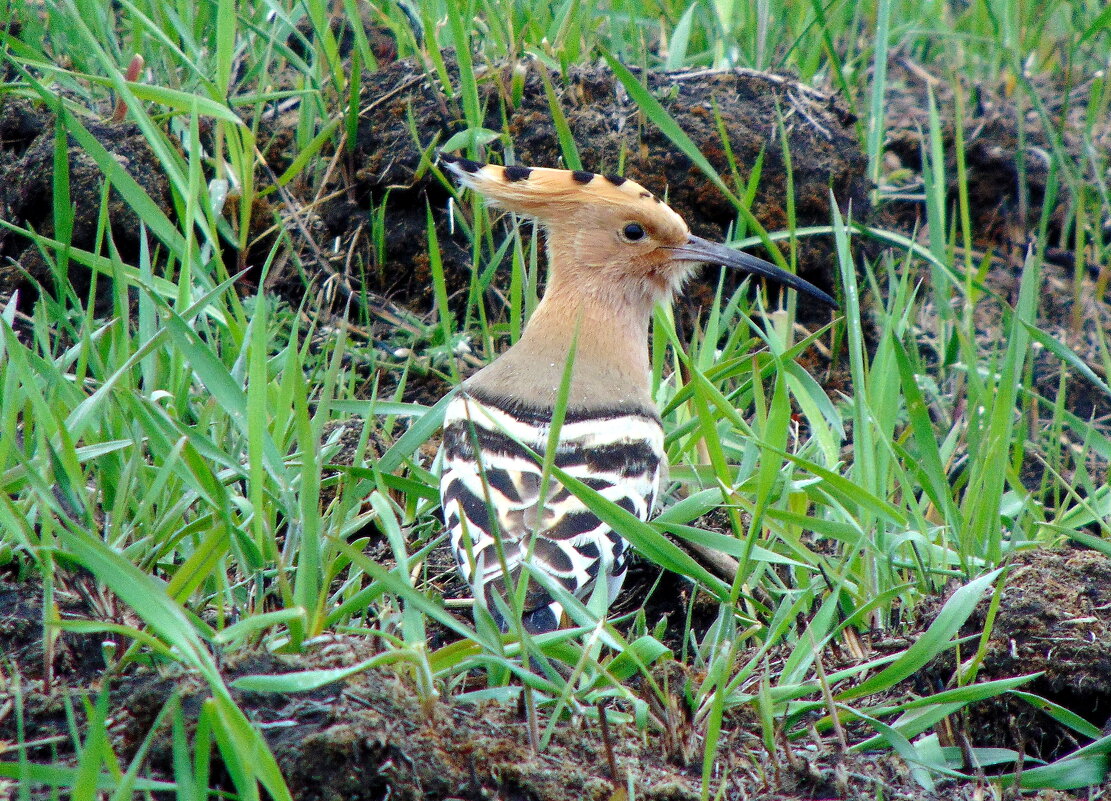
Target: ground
371	737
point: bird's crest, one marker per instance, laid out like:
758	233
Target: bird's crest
549	194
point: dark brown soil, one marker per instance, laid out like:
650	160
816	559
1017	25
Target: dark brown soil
373	737
70	657
608	129
1054	618
1005	139
27	197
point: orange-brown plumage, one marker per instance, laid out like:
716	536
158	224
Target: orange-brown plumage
600	284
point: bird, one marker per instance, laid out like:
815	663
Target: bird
614	251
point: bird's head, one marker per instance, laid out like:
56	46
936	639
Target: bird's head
609	234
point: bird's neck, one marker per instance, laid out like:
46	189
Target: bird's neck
609	329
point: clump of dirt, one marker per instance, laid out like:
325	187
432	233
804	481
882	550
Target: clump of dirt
383	46
1006	147
1054	618
27	195
407	112
20	124
378	737
373	736
68	655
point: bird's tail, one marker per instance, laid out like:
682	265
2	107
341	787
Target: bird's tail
543	619
540	619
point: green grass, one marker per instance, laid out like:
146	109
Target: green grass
176	446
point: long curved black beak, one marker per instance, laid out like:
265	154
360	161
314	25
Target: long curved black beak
703	250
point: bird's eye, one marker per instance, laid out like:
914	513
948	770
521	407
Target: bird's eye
633	232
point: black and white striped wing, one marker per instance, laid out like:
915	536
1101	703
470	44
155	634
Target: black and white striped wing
618	455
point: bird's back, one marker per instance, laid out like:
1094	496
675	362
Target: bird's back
490	489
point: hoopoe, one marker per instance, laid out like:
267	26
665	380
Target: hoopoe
614	251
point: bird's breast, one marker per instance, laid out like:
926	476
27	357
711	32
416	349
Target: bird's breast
501	510
614	441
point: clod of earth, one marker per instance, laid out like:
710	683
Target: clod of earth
753	109
1054	618
27	197
371	737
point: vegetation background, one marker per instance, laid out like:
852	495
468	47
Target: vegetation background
882	569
